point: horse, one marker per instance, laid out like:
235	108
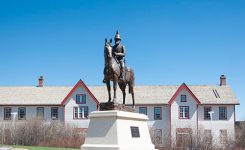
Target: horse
112	73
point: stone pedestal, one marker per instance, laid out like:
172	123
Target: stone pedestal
117	130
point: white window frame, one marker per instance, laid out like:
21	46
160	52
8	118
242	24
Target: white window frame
184	112
79	112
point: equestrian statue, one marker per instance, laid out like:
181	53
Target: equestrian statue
115	69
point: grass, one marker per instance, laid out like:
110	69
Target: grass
38	148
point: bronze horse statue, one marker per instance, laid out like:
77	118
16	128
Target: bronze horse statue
112	73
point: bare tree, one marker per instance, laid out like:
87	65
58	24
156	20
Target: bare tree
240	134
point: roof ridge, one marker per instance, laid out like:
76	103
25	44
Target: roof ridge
203	85
41	87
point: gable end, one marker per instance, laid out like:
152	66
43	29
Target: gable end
79	83
182	87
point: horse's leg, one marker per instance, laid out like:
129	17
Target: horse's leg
132	93
109	90
123	89
133	99
124	95
115	90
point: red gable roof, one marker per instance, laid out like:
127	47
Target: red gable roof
79	83
182	87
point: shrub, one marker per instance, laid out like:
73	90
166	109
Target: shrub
240	134
39	133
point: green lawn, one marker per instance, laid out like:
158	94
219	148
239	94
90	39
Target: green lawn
38	148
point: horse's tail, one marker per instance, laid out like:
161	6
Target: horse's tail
132	76
131	82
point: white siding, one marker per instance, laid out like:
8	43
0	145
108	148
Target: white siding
162	124
71	103
195	121
183	123
215	124
31	112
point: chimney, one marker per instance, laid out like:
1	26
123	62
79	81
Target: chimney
222	80
40	81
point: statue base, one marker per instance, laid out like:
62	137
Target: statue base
115	106
117	130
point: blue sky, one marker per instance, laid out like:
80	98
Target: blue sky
168	42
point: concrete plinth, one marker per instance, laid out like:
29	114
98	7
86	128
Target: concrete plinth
117	130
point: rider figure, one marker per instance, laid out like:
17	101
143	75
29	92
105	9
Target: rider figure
118	52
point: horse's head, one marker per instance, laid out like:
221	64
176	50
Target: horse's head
108	48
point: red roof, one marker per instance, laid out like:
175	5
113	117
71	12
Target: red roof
79	83
182	87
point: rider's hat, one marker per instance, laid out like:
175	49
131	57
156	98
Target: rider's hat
117	36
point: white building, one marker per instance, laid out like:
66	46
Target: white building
174	111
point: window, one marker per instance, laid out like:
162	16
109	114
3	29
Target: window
183	98
223	136
81	99
157	113
21	113
208	136
40	112
7	113
75	114
207	111
143	110
80	112
54	113
184	112
222	113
